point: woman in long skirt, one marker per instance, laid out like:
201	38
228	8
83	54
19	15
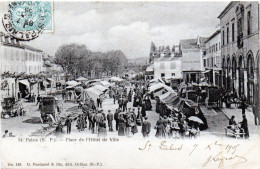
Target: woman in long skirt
121	126
160	128
102	130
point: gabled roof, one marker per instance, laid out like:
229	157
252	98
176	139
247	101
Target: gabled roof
227	8
31	48
212	36
192	43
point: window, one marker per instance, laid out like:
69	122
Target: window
219	46
26	56
239	26
227	34
173	74
11	53
216	47
223	38
248	22
204	62
5	53
204	53
17	55
161	65
162	75
233	32
173	65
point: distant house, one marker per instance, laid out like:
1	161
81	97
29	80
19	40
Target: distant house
192	51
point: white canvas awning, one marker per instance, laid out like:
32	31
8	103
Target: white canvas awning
100	88
81	79
72	83
25	82
116	79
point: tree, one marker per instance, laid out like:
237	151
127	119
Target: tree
71	58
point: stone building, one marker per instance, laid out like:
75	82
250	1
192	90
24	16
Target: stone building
17	57
165	63
239	23
212	59
192	51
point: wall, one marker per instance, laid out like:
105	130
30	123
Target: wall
192	60
167	70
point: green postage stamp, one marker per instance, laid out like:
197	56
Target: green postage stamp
25	20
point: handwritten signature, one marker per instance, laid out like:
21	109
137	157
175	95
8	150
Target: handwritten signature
220	158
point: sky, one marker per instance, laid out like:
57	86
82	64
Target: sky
128	26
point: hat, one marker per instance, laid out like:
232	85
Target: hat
145	117
6	131
109	110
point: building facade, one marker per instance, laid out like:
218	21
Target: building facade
165	63
168	67
212	59
192	51
18	58
239	23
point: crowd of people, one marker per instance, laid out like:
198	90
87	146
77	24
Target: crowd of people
171	123
126	119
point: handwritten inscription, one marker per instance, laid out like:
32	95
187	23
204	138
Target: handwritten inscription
216	153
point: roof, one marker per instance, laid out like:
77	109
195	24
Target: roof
227	8
212	36
172	58
150	68
192	43
31	48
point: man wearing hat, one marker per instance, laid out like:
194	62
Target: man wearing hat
68	124
110	120
116	118
146	127
99	118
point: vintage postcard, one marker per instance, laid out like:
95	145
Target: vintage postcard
128	85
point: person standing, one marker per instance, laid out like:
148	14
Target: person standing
244	126
121	125
102	131
101	100
68	124
143	110
146	127
110	120
243	104
114	97
98	101
38	99
160	128
116	118
134	125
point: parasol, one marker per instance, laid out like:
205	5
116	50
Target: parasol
195	119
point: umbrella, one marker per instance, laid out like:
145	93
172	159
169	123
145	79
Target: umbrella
195	119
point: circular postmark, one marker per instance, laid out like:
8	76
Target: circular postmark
27	19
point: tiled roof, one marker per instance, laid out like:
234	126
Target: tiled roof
192	43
